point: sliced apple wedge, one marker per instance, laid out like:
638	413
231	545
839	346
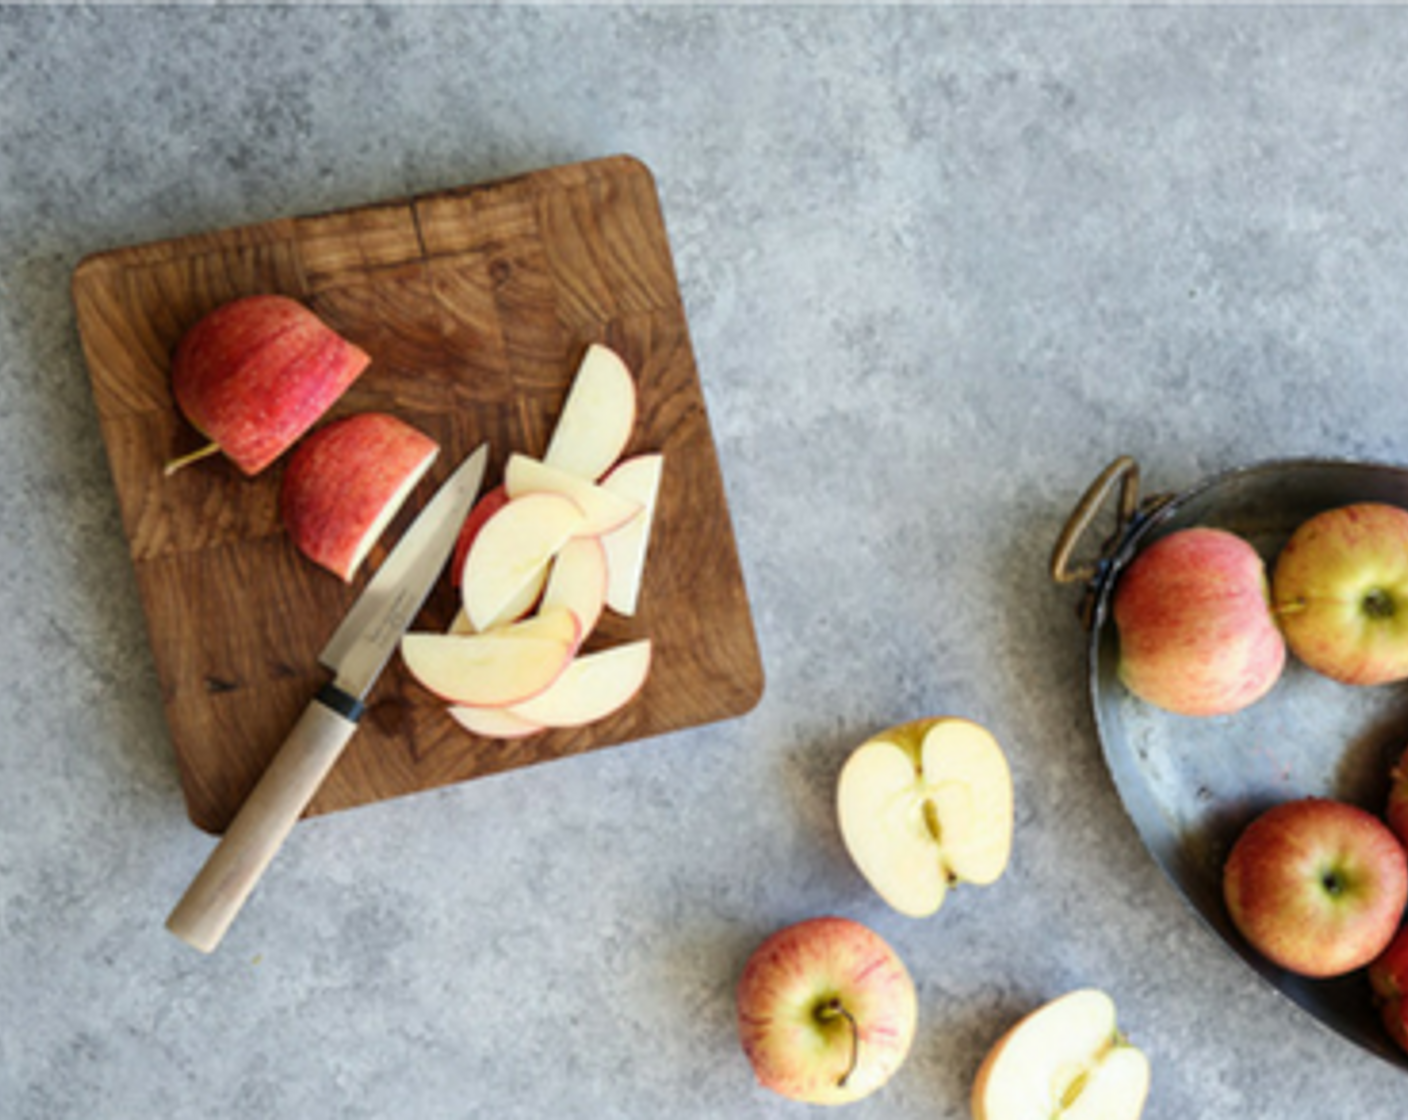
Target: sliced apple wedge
637	479
1065	1061
597	417
578	581
493	723
508	666
592	687
924	806
484	509
511	551
602	510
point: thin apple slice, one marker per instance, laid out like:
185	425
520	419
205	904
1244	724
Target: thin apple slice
597	417
602	510
636	479
1067	1060
507	666
486	507
493	723
511	551
924	806
345	483
592	687
578	581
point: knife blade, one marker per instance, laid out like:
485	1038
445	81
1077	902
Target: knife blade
355	654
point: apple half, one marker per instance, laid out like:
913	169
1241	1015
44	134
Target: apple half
602	511
345	483
493	670
591	688
924	806
638	480
1067	1060
255	374
597	417
511	552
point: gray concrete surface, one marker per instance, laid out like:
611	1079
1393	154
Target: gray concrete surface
941	264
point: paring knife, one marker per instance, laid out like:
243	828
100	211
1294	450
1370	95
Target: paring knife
356	654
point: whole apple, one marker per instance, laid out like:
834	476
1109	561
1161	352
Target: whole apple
256	373
1197	636
1388	976
1316	886
1396	810
1341	592
826	1011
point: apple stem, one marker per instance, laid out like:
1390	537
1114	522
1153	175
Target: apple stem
835	1009
174	465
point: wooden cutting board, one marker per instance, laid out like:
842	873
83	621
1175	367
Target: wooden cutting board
476	305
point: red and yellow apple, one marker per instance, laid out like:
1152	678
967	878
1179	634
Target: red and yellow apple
1067	1060
1340	587
346	481
1317	886
255	374
1196	633
826	1011
1388	979
925	806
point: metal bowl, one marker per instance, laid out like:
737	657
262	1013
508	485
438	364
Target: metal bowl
1191	785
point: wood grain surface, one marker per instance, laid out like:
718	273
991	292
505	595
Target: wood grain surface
476	305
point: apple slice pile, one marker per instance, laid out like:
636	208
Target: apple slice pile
540	557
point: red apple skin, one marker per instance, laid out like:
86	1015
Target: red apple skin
1396	811
783	990
340	479
488	505
1197	636
1316	886
256	373
1341	590
1388	976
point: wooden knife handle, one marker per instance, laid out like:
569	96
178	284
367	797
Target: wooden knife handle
265	820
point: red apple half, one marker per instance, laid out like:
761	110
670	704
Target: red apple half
255	374
826	1011
345	483
1316	886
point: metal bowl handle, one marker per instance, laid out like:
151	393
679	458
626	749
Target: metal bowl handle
1124	471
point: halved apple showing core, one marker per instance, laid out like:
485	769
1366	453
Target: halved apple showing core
924	806
1066	1060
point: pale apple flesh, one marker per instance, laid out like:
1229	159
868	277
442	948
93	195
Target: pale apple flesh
925	806
1067	1060
495	669
511	552
826	1011
345	483
597	417
602	511
637	479
493	723
1197	636
488	505
1316	886
594	686
1341	591
255	374
578	580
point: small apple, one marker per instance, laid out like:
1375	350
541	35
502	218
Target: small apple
509	556
494	670
592	687
1388	977
1396	811
490	504
637	479
826	1011
345	483
1316	886
1067	1060
1196	632
1341	591
597	417
255	374
925	806
602	510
